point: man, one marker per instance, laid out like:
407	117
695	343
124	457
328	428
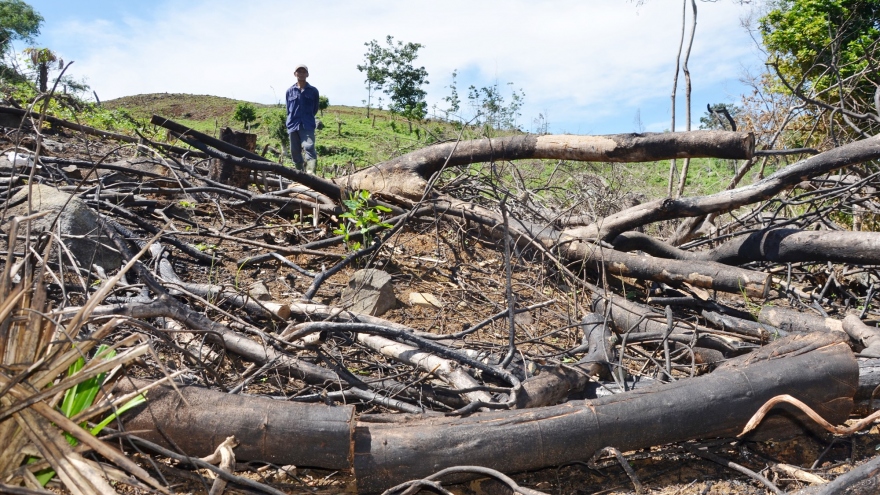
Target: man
302	106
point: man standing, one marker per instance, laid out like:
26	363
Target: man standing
302	106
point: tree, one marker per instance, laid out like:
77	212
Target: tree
323	103
404	80
375	68
496	112
245	113
41	58
826	52
18	21
452	100
720	116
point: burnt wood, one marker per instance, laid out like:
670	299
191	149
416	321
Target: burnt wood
818	369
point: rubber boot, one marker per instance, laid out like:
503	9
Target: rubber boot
298	166
311	165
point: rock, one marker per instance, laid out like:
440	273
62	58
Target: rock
424	300
53	147
80	226
21	160
369	292
136	164
260	292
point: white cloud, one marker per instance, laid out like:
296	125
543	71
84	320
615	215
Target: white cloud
576	60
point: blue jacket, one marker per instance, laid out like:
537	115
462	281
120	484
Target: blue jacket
302	106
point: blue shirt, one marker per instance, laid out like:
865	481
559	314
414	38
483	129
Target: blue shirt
302	106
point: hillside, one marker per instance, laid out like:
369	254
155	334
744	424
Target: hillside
348	139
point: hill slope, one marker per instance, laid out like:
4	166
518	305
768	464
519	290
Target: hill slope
348	139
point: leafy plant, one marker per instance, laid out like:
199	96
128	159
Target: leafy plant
81	397
205	247
360	217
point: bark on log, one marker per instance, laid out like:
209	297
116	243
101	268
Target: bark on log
718	404
817	368
270	430
556	383
793	321
405	176
778	245
704	274
631	318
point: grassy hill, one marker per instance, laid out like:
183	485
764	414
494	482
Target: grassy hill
348	139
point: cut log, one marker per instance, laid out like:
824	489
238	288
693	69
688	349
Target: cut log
778	245
819	369
405	176
793	321
269	430
703	274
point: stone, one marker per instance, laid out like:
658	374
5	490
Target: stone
424	300
79	225
260	292
370	292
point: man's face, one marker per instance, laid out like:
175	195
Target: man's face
301	74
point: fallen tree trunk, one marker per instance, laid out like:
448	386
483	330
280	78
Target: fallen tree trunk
210	141
281	432
778	245
406	175
666	209
388	449
718	404
705	274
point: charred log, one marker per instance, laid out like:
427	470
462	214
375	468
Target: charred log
777	245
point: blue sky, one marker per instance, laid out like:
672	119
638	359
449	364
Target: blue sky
588	66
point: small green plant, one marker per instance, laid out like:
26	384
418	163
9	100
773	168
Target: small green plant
205	247
360	217
187	204
81	397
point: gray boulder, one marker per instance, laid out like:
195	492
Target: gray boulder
369	292
79	225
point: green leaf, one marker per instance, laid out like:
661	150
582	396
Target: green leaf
140	399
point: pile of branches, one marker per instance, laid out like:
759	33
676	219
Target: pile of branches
640	325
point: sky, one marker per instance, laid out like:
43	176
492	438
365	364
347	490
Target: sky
586	66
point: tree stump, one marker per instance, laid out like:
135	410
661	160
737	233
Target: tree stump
228	172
